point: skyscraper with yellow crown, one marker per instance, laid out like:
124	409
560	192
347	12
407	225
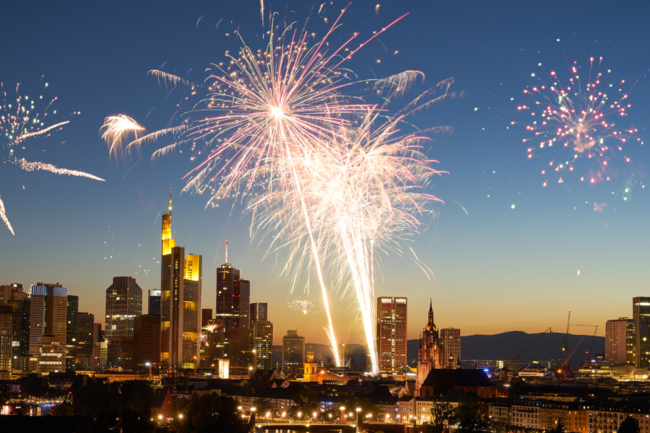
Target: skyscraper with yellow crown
180	283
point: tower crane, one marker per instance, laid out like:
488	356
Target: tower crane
566	346
505	368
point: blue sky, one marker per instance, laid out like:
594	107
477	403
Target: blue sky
496	268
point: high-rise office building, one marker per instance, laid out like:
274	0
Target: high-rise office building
630	335
154	301
85	340
293	352
450	348
259	311
181	281
233	307
14	295
616	341
48	321
641	310
71	331
123	305
6	328
146	341
206	317
263	343
391	333
100	348
119	353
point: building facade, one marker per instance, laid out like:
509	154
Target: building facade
450	348
391	333
428	352
154	301
123	305
85	339
71	332
263	344
48	322
259	311
616	341
146	341
641	310
631	342
6	328
181	280
293	352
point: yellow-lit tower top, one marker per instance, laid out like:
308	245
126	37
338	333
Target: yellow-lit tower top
167	242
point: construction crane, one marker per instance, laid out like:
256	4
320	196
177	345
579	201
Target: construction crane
254	352
505	368
566	346
593	340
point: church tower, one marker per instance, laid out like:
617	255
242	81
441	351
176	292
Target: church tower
311	368
428	353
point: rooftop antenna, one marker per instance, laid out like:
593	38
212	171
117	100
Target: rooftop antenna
170	202
226	251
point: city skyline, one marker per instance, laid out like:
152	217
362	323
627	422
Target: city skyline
558	249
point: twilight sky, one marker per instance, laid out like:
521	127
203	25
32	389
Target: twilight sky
497	267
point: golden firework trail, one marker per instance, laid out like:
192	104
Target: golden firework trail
116	130
21	121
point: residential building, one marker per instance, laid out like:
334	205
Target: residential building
48	322
641	310
263	344
391	333
181	281
616	341
428	352
154	301
526	414
71	332
146	341
123	304
293	352
450	348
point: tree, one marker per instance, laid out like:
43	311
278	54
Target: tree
209	413
307	401
469	415
263	406
63	409
559	427
628	425
442	414
34	386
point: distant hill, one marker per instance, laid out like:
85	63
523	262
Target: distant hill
506	345
510	344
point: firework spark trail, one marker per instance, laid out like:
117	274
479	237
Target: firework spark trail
577	120
21	121
304	305
3	216
116	130
36	166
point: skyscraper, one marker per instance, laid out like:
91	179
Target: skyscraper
206	316
428	352
181	300
263	343
450	347
123	304
259	311
6	328
630	338
71	331
14	295
293	352
85	340
146	341
233	307
391	333
641	309
154	301
48	320
616	341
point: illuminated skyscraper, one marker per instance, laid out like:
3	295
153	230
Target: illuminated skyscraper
233	307
293	352
391	333
85	340
641	309
616	341
180	307
263	343
6	321
146	341
123	305
47	342
259	311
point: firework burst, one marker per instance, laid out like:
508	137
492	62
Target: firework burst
304	305
20	121
579	121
